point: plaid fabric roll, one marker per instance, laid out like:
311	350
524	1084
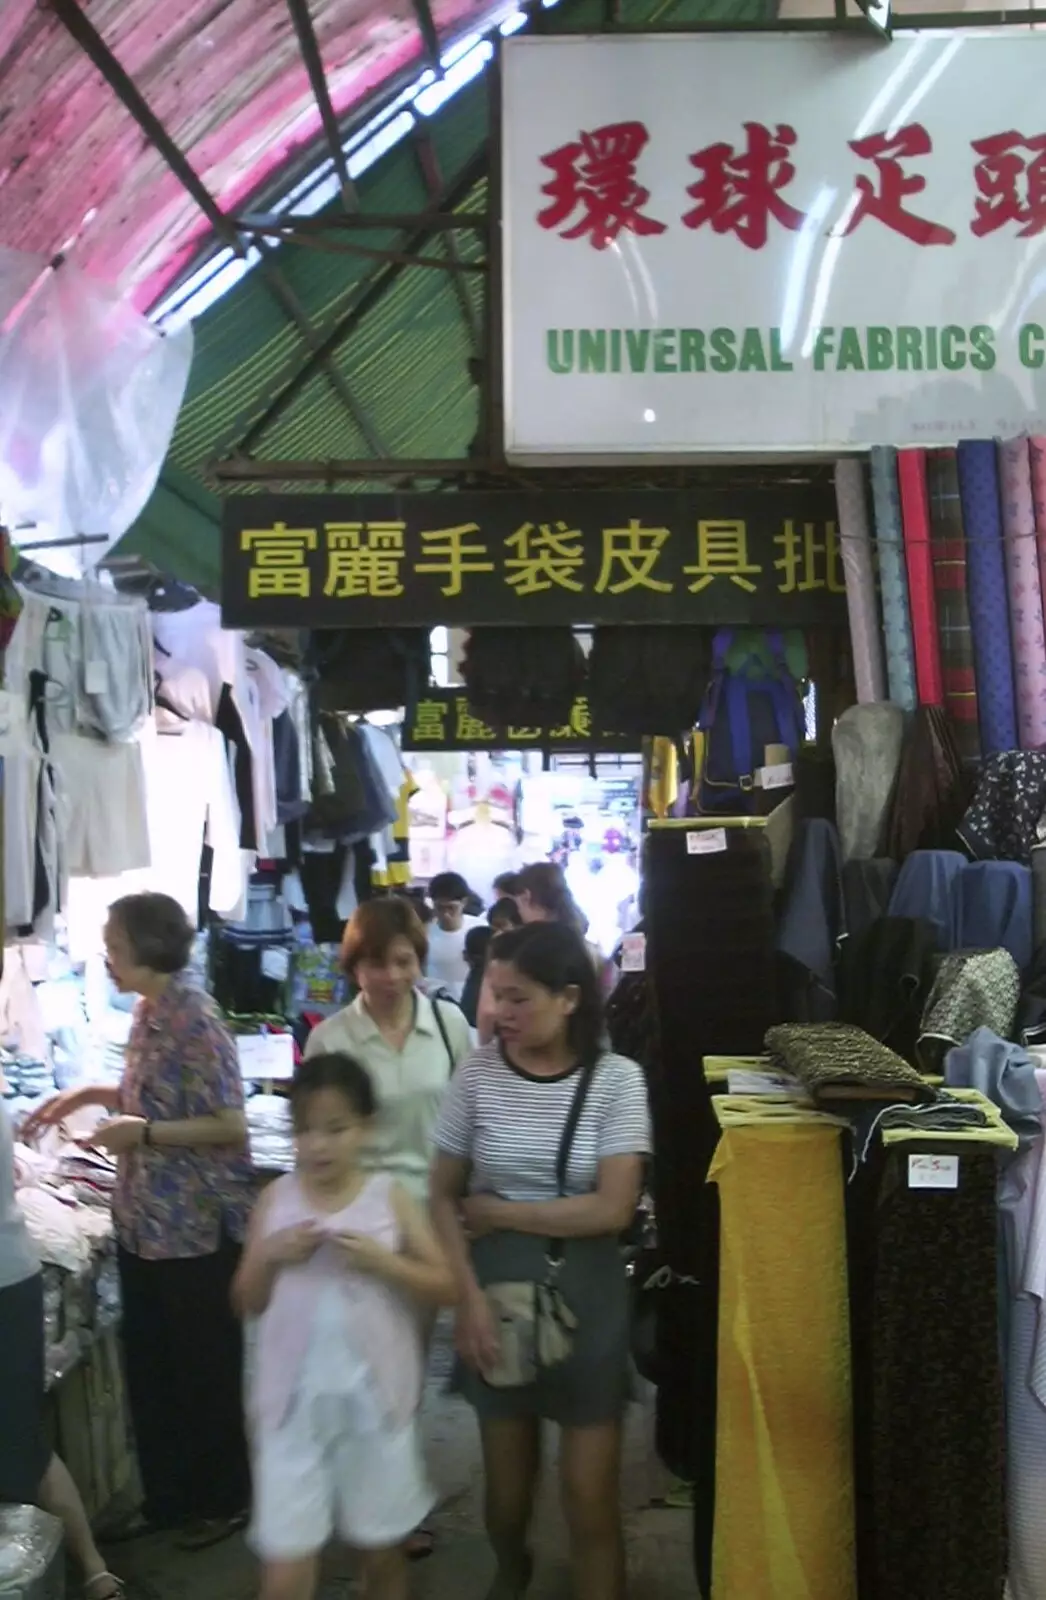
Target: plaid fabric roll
948	544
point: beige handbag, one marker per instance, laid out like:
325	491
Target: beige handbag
535	1326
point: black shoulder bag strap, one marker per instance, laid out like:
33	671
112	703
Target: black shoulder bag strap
566	1145
444	1035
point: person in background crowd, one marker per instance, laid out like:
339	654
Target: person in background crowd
409	1045
506	885
496	1205
541	895
337	1260
30	1472
504	915
446	965
477	943
179	1136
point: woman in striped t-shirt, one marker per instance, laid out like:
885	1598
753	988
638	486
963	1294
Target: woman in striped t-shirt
497	1204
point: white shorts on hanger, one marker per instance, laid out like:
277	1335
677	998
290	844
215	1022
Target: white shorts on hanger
102	798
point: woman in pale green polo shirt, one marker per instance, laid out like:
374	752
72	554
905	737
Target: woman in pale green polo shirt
410	1046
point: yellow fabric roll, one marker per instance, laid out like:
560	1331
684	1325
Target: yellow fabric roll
664	776
784	1514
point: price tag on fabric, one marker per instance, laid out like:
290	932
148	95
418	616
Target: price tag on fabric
266	1055
96	677
633	952
276	964
780	777
706	842
933	1172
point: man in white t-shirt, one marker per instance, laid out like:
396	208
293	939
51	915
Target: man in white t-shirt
447	966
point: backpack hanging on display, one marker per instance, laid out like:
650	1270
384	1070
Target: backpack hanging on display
753	701
370	669
647	680
523	677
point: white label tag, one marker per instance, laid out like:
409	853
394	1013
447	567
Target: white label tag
276	964
266	1055
706	842
741	1082
96	677
633	952
933	1172
776	777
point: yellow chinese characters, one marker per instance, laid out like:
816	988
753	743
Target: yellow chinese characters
545	556
633	553
722	552
279	563
580	724
470	727
807	561
364	558
448	554
430	722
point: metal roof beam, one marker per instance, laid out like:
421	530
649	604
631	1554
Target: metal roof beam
368	294
433	221
429	35
428	161
340	247
95	48
288	301
238	470
308	44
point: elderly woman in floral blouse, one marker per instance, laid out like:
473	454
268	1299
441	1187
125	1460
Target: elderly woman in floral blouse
179	1135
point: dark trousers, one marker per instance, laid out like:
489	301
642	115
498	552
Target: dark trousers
184	1357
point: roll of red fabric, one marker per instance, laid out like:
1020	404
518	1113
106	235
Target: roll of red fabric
915	513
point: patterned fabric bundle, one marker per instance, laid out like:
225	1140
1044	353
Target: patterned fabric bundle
1022	575
893	578
1006	820
986	586
973	989
915	512
836	1061
1037	454
855	542
784	1521
948	545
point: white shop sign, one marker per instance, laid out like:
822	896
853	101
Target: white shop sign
719	243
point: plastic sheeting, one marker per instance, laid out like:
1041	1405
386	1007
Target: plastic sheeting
89	396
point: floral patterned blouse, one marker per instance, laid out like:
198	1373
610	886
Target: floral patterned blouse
181	1063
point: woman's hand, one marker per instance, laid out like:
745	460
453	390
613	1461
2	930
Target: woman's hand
482	1213
118	1136
291	1246
54	1111
475	1335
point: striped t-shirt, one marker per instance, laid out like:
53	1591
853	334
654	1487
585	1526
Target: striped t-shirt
508	1124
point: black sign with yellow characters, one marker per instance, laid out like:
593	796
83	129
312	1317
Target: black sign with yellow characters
732	555
441	720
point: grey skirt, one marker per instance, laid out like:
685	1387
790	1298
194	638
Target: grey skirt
593	1385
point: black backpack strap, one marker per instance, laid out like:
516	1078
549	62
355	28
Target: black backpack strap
566	1145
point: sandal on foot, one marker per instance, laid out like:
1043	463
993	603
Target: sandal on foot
93	1589
206	1532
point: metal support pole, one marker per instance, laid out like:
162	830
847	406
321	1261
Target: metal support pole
308	44
95	48
428	160
429	36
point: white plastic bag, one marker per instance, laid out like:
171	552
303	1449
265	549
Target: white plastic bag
89	395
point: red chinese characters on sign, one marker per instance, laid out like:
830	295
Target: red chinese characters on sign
885	199
594	189
594	181
1010	175
739	191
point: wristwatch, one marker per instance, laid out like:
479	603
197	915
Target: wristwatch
147	1134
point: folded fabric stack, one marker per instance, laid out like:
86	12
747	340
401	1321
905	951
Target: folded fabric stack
836	1061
